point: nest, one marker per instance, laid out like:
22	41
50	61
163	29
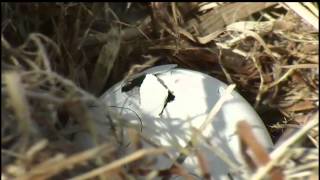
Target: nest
57	58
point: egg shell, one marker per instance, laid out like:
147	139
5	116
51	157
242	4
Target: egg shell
195	94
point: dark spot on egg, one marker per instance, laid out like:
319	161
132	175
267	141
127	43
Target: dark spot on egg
132	83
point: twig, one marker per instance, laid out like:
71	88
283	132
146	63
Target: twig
304	13
58	163
118	163
261	86
217	107
284	147
301	66
282	78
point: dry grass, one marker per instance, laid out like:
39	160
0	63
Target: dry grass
58	57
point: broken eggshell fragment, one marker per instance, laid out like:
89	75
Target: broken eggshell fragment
171	102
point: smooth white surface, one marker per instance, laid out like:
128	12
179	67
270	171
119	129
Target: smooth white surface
195	95
154	95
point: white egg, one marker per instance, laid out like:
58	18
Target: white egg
170	122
